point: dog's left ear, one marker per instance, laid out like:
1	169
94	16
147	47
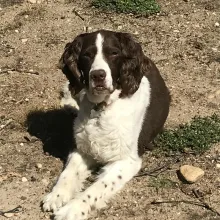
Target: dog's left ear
131	70
68	63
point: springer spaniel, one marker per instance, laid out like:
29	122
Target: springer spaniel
123	105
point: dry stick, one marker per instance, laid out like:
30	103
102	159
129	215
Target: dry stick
77	14
158	169
201	204
19	70
6	124
206	205
15	210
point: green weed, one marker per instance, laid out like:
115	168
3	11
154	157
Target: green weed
141	7
198	135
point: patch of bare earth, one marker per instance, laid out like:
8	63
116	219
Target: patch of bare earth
184	42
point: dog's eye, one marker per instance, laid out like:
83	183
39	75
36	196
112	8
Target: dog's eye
113	53
88	55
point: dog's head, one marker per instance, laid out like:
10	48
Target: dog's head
101	62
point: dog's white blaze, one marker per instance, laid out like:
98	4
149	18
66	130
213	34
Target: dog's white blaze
100	63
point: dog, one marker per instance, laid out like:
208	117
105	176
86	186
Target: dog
123	103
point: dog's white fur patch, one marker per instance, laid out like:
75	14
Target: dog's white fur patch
100	63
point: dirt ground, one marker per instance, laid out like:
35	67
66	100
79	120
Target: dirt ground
184	42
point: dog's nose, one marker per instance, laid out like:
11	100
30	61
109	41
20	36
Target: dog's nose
98	75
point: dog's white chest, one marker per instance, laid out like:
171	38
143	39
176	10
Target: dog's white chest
102	137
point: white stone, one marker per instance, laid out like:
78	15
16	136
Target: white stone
21	144
45	182
217	24
8	215
24	40
191	174
217	92
218	166
24	179
39	166
120	27
211	96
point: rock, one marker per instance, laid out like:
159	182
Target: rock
120	27
217	92
211	96
24	179
218	166
191	174
39	166
24	40
8	215
217	24
45	182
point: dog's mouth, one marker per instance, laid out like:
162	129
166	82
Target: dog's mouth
100	88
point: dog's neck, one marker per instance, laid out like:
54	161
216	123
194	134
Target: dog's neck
100	106
108	101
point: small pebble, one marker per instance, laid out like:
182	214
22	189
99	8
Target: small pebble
24	40
120	27
39	166
211	96
45	182
24	179
217	92
21	144
8	215
218	166
23	198
217	24
17	31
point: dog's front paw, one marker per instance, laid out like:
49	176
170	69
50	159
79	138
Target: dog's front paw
73	210
56	199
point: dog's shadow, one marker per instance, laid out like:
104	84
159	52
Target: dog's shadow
55	129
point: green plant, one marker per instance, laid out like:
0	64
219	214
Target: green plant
198	135
142	7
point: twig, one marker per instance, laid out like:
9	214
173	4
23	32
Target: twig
77	14
19	70
6	124
206	205
158	170
201	204
15	210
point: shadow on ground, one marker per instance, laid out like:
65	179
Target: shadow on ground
55	129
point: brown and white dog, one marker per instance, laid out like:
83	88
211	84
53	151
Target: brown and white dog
123	105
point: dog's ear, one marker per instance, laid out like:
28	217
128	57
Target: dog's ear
68	63
132	55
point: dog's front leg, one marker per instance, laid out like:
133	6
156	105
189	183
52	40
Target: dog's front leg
69	183
111	180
